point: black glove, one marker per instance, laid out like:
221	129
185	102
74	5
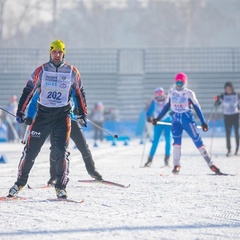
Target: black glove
217	101
149	119
20	117
76	111
82	119
204	127
154	121
28	121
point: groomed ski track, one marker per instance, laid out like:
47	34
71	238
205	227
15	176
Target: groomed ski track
193	205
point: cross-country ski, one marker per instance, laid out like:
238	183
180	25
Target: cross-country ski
105	182
64	200
39	187
9	199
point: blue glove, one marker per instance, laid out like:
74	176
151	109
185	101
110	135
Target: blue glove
82	119
20	117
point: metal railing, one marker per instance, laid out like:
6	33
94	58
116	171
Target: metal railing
128	60
109	75
192	60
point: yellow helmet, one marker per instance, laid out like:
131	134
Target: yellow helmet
58	45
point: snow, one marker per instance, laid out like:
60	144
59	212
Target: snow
158	205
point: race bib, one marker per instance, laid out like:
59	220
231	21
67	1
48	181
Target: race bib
55	88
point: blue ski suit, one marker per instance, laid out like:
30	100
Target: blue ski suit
154	109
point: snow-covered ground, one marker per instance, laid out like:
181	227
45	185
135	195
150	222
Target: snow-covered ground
158	205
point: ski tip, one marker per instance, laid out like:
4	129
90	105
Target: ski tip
6	198
227	174
223	174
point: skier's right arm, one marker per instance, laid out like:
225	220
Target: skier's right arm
22	102
163	112
218	100
27	94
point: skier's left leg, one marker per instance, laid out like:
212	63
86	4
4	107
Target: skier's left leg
157	130
193	132
167	136
177	142
60	136
236	130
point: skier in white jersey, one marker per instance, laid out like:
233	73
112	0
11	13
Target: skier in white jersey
230	101
54	81
179	100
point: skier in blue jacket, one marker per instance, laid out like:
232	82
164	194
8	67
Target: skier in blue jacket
180	100
154	109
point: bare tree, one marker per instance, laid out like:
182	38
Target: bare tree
2	5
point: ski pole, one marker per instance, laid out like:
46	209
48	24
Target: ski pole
24	140
213	130
144	146
169	124
8	112
211	113
113	135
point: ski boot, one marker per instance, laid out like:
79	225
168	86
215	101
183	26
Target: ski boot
176	169
215	169
166	160
13	191
96	175
61	193
149	162
236	152
51	182
228	153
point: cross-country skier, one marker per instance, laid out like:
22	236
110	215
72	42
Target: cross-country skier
76	135
54	80
230	101
155	107
179	100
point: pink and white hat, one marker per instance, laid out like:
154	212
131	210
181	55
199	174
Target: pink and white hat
181	77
